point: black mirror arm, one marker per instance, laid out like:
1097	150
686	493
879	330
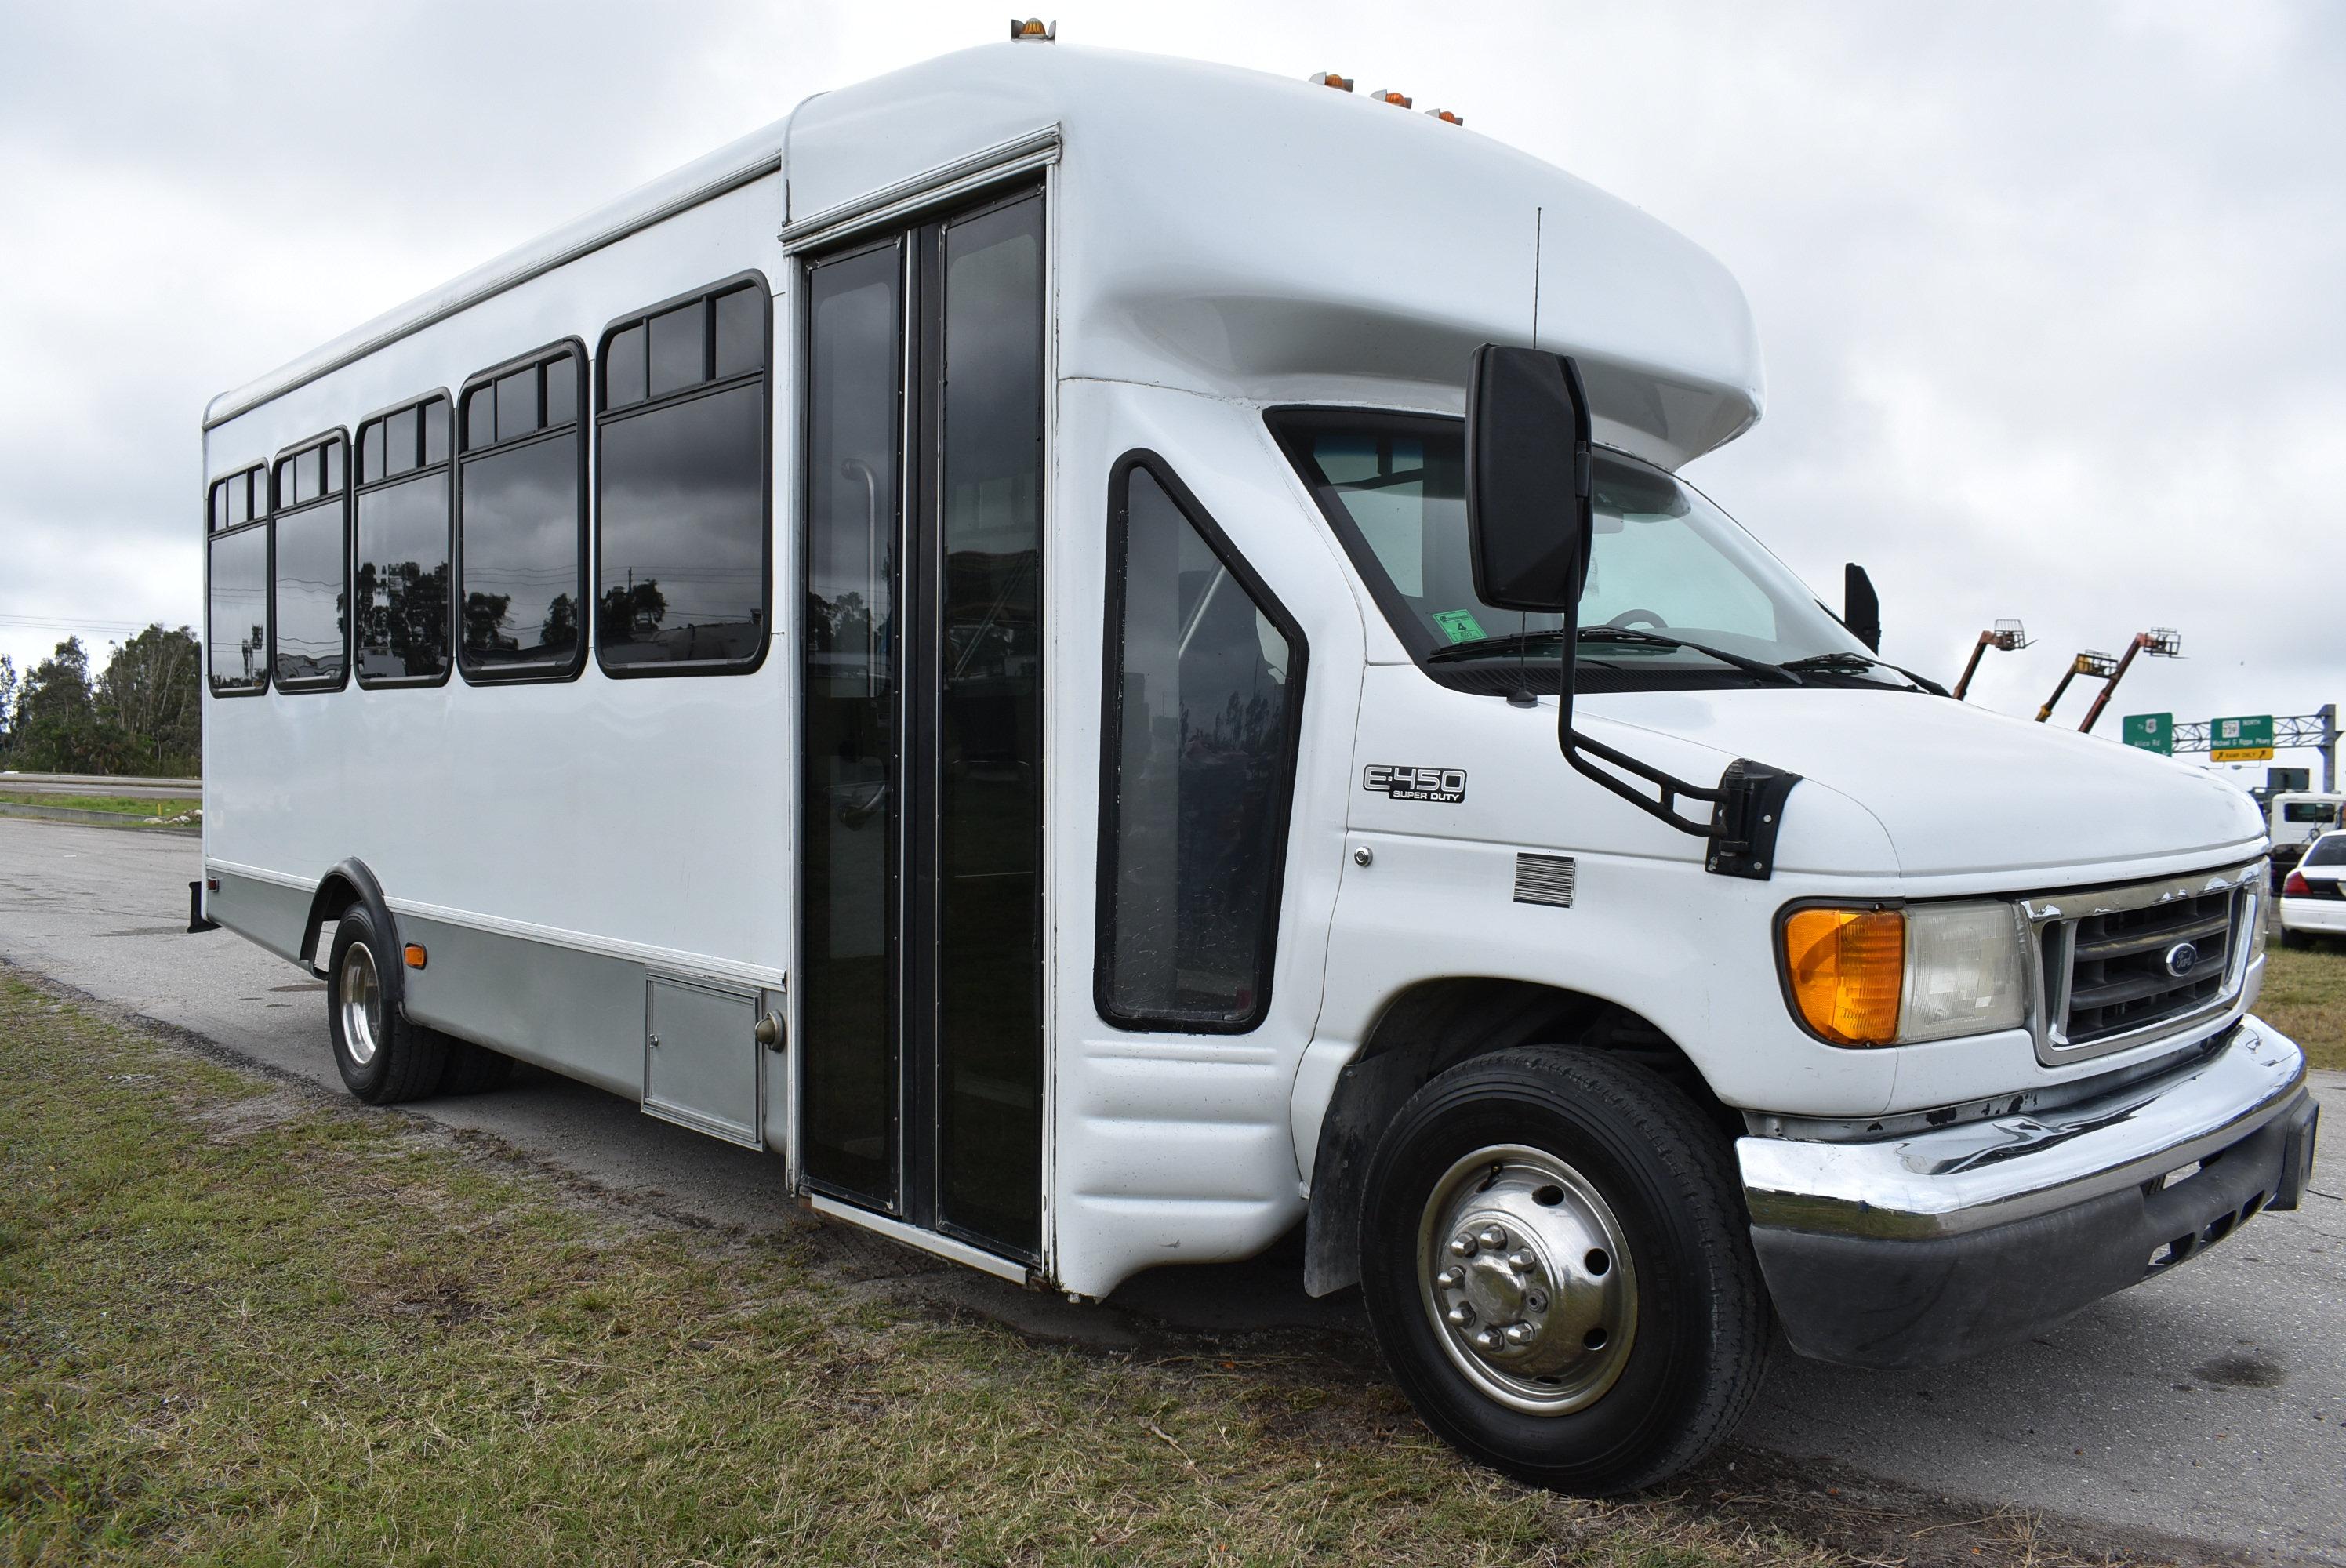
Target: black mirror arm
1747	805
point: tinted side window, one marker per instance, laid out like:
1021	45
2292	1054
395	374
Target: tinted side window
309	576
682	487
400	586
236	631
1205	685
521	523
2309	811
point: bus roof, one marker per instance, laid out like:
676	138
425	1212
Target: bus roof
1232	232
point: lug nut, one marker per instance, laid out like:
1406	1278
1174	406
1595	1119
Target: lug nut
1521	1260
1462	1246
1492	1237
1487	1341
1451	1279
1458	1317
1519	1334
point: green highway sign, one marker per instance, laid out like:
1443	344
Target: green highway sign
2151	731
2248	740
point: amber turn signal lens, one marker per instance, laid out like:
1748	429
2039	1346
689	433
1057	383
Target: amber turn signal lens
1848	969
414	956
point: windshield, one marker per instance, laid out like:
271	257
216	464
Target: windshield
1664	561
2330	849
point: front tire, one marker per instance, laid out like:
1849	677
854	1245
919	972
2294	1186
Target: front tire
382	1056
1558	1272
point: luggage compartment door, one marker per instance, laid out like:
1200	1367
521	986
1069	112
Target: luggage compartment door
701	1057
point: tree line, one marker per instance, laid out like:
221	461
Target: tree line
140	715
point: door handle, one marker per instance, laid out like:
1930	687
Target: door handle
769	1032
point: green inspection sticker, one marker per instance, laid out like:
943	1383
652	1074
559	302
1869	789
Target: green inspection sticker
1459	626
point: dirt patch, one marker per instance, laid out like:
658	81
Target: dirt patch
237	1120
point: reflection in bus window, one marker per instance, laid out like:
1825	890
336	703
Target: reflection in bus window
681	492
521	520
402	577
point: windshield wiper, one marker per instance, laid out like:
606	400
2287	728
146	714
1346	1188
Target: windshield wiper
1656	639
1524	642
1847	663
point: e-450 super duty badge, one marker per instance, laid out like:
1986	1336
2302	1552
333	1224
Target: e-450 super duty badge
1442	786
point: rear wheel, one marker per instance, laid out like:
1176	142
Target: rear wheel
474	1069
2294	938
383	1057
1557	1270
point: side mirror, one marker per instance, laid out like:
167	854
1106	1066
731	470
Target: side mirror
1527	481
1861	607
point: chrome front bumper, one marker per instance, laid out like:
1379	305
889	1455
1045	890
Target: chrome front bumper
1921	1248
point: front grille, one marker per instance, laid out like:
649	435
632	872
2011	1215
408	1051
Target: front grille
2116	971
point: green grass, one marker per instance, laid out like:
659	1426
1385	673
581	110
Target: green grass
242	1324
122	805
2305	999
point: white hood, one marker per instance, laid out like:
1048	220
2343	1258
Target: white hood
1960	789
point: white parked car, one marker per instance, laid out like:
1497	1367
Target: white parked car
2313	896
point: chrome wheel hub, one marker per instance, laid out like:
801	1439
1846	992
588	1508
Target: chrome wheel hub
358	991
1526	1276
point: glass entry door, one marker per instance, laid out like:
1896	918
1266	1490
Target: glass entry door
920	974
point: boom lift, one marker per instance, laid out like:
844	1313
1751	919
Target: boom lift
2007	636
2160	642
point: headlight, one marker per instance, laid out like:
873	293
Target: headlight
1891	977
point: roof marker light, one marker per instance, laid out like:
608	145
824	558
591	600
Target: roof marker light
1445	116
1385	96
1331	79
1034	28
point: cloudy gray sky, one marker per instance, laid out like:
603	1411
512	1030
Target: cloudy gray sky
2052	296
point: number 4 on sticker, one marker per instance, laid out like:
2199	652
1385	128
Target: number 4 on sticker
1459	626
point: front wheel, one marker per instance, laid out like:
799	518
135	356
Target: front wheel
1558	1273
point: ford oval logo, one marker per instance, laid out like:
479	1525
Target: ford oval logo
2182	958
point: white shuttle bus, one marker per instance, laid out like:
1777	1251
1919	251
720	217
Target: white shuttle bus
1107	657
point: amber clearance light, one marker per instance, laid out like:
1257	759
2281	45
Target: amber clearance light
1848	970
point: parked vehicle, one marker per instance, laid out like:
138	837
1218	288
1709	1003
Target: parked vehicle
2294	818
1110	657
2313	896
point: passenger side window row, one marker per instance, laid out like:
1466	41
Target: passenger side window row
461	537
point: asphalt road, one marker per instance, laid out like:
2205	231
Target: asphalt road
2209	1403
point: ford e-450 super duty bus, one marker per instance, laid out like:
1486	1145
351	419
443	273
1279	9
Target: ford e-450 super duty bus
1110	657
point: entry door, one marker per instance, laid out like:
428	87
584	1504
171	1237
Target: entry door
920	974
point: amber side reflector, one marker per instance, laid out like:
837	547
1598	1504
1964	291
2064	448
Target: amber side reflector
1848	968
415	955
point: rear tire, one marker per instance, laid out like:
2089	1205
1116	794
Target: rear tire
474	1069
1581	1214
2294	938
382	1056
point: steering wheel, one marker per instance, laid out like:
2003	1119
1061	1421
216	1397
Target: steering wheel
1627	619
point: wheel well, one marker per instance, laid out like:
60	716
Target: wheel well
334	895
1430	1028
